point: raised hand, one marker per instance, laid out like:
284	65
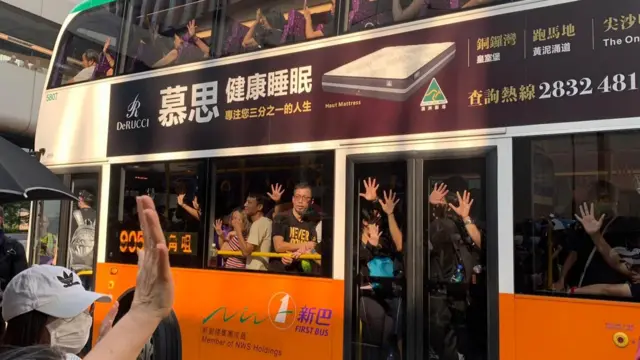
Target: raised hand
370	189
191	27
588	220
218	227
372	234
464	204
437	195
107	323
180	199
389	202
276	192
154	292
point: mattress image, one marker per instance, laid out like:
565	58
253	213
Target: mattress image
392	73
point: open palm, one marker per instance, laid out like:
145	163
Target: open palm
588	220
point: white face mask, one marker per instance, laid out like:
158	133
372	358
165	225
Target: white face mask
71	335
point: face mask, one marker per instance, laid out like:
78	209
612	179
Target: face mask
70	335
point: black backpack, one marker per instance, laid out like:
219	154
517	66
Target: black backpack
449	248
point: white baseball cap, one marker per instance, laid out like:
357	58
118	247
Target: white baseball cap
53	290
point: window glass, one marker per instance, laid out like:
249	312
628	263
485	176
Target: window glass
81	246
369	14
164	33
47	230
177	189
251	26
279	205
596	177
88	50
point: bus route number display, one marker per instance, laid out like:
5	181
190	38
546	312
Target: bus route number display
181	243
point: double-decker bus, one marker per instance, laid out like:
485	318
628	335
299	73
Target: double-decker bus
211	106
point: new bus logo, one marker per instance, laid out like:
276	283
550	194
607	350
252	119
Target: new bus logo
282	310
434	97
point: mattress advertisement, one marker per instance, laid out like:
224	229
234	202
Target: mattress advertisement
568	62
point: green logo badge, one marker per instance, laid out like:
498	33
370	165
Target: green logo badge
434	97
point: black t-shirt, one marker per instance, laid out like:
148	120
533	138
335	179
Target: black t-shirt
292	230
622	232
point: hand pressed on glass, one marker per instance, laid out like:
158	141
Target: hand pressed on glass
588	220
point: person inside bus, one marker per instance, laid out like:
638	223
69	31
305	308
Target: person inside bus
259	237
187	47
266	31
83	230
380	256
623	257
474	3
231	240
48	250
89	60
585	265
405	10
107	63
188	211
456	258
294	233
326	29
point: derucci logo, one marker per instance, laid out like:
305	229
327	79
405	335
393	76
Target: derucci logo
133	120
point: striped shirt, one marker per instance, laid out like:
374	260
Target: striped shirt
234	262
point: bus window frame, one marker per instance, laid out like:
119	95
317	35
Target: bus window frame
128	24
114	204
67	35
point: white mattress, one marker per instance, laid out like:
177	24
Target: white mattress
394	62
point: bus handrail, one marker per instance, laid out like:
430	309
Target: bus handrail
268	254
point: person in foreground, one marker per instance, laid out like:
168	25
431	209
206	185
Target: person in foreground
57	316
153	297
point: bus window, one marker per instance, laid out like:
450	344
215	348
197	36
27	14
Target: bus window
278	206
177	189
88	49
369	14
45	245
577	218
164	34
275	23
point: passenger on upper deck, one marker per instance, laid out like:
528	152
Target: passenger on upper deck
89	60
326	29
266	31
187	47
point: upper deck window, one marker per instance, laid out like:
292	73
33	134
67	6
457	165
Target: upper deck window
163	34
250	26
88	47
369	14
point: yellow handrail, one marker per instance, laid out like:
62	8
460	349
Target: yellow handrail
268	254
85	272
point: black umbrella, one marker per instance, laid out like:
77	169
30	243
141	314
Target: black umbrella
23	177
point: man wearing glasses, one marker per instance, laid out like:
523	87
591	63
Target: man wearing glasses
294	233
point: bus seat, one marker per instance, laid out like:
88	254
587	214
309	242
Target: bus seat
233	43
294	29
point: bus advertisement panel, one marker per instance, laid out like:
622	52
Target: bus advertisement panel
551	64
